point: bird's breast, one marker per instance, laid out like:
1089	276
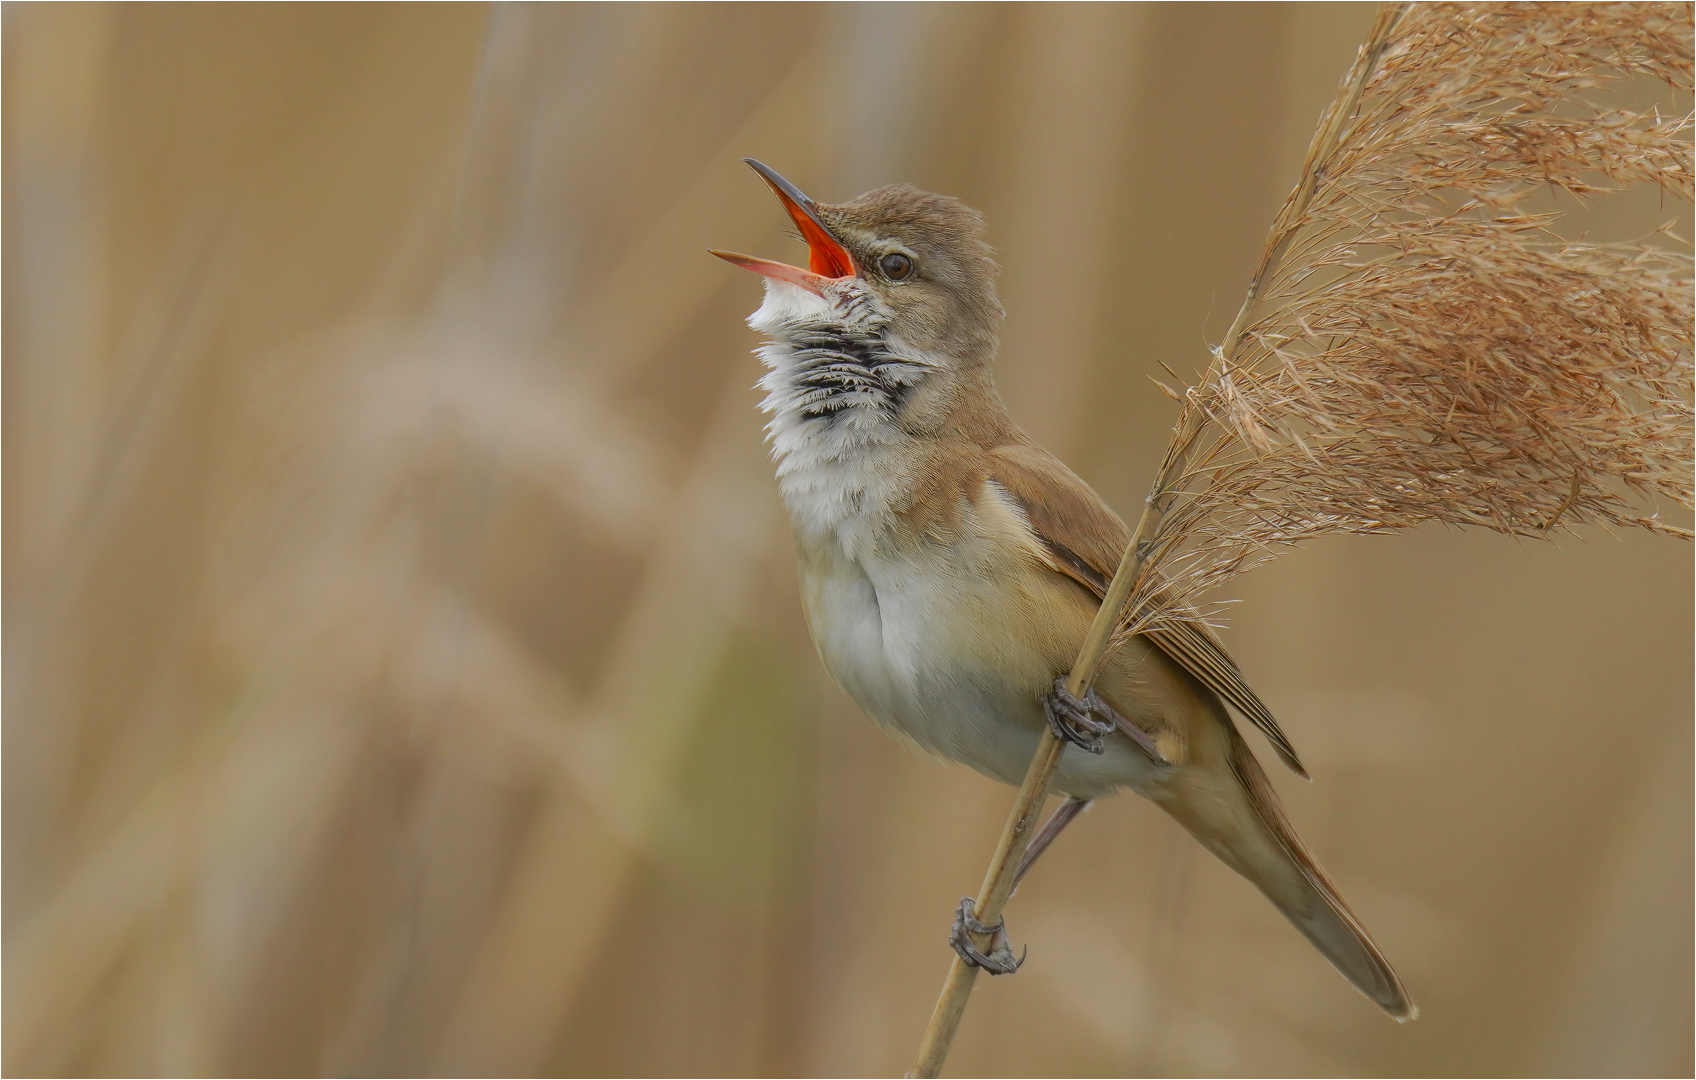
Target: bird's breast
951	634
948	639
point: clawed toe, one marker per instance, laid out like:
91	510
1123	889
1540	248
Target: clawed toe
1073	720
999	960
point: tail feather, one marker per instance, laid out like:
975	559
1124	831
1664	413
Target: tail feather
1317	910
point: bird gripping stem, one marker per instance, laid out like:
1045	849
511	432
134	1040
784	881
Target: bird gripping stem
1003	870
1016	836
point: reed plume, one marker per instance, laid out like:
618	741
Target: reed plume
1416	345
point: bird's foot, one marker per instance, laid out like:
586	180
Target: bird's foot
1074	720
999	960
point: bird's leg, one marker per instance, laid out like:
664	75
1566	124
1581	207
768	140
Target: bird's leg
999	960
1062	817
1074	720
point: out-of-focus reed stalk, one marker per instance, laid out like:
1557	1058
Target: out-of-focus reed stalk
1411	348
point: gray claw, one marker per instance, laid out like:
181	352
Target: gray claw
1073	720
999	960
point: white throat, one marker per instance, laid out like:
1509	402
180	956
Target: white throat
836	380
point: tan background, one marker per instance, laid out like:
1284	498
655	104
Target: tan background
404	668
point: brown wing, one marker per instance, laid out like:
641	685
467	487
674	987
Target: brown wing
1085	540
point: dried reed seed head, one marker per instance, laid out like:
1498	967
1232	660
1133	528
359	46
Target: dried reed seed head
1416	349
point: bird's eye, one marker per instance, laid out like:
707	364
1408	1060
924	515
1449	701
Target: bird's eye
895	266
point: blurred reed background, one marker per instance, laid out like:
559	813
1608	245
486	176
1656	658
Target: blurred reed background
404	668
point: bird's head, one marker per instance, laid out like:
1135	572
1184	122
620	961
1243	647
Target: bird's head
918	258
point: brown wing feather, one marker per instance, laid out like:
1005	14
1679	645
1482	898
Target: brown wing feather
1085	540
1193	645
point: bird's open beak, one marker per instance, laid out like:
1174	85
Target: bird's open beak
827	259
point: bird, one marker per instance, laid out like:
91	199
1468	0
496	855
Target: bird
950	567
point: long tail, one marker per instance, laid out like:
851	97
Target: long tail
1317	910
1237	816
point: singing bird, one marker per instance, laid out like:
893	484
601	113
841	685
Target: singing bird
950	566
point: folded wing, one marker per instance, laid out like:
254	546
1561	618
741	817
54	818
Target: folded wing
1085	540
